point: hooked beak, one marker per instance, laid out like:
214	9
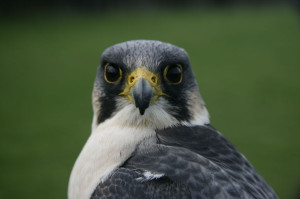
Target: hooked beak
142	94
142	89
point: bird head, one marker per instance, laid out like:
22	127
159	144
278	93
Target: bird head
146	83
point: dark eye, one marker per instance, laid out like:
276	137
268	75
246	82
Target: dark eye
173	73
112	73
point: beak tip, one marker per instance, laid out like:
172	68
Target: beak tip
142	94
142	110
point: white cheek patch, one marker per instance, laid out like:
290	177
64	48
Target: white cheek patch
198	111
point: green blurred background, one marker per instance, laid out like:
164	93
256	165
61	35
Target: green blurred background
246	60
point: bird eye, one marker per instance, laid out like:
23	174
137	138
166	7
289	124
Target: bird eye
112	73
173	73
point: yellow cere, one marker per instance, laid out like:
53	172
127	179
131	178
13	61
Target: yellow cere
137	74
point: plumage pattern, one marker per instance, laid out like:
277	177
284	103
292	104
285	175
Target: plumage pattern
151	136
197	162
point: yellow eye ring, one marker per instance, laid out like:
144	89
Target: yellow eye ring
112	73
173	74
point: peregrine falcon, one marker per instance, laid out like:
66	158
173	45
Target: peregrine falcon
151	135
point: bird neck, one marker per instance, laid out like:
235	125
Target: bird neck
108	147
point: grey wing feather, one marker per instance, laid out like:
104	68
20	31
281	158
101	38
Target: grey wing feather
125	183
196	162
212	145
203	178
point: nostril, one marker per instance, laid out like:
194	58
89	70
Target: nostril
131	79
153	79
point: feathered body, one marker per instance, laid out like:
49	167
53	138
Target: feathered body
151	135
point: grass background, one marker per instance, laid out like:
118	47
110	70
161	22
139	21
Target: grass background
246	63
